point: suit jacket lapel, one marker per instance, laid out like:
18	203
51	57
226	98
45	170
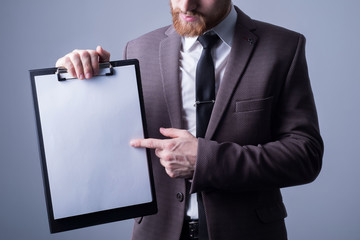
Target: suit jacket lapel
243	45
169	58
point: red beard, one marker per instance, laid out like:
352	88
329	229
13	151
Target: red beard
188	29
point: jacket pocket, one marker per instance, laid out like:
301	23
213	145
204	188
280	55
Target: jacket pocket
253	105
272	213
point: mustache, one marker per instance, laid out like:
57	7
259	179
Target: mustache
188	13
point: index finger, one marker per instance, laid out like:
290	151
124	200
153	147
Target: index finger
147	143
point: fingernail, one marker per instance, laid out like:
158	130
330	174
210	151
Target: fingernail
81	76
132	143
88	75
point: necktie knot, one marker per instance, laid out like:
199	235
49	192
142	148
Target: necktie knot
208	40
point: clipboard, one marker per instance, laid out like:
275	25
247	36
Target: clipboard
91	174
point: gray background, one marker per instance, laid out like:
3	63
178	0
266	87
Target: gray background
35	33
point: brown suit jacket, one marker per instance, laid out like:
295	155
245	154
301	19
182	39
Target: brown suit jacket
263	133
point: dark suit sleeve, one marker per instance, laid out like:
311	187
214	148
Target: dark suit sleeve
292	157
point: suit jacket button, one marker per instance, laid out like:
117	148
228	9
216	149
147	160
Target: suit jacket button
180	196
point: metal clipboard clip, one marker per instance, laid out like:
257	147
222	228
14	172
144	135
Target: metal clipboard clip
105	69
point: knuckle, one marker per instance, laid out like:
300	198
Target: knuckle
91	52
67	58
94	58
74	56
68	64
170	145
84	54
150	144
167	157
172	168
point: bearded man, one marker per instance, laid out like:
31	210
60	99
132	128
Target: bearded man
219	162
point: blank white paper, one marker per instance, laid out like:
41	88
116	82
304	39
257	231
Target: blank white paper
87	126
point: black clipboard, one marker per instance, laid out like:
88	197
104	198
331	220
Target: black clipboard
91	174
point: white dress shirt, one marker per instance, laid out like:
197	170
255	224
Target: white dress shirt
189	56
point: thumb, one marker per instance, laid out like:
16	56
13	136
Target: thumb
104	56
174	132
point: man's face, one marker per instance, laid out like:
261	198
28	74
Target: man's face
193	17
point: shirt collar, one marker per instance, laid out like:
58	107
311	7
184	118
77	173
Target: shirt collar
225	30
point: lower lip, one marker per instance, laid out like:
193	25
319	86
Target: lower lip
188	18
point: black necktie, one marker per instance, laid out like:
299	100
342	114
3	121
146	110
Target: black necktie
205	99
205	84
